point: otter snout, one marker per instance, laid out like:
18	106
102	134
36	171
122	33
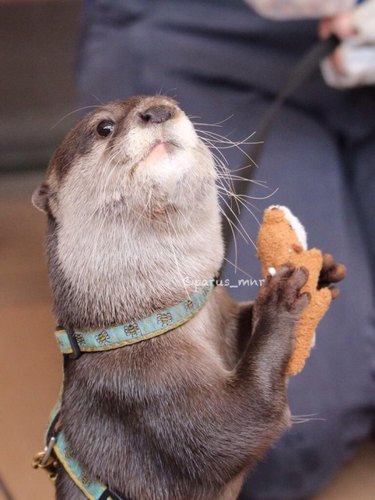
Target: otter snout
157	114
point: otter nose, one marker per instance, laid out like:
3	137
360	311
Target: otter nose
157	114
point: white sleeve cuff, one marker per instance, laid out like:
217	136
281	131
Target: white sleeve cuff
358	66
364	21
300	9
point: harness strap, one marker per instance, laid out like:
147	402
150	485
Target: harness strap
75	343
161	322
93	490
57	445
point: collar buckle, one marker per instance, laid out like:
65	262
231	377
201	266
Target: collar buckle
45	460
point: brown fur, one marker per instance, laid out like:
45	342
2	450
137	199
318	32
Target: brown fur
186	414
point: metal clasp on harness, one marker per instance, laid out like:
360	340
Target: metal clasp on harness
45	460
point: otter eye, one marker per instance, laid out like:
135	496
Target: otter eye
105	128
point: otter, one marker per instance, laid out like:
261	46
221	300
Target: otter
133	225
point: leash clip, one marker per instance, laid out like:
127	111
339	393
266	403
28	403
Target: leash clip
45	460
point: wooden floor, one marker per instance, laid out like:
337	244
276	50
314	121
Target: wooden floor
30	364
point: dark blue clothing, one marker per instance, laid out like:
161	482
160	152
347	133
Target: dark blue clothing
219	59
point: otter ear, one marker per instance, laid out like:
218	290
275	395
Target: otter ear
40	197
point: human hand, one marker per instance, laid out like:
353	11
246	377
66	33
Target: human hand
353	62
341	25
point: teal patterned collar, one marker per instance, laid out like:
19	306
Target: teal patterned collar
135	331
57	449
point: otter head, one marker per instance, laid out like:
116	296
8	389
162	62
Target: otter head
139	154
131	195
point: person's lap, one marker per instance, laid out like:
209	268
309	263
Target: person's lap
215	74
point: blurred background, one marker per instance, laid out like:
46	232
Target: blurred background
37	53
37	89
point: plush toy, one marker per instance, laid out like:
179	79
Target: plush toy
282	239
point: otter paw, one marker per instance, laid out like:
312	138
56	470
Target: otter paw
282	291
331	272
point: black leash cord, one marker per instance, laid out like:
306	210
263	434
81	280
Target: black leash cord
304	69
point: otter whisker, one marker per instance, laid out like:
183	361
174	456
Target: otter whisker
244	197
302	419
146	207
229	191
72	113
248	240
227	141
221	166
233	144
242	202
234	178
175	256
211	144
193	229
233	234
265	197
217	124
238	268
